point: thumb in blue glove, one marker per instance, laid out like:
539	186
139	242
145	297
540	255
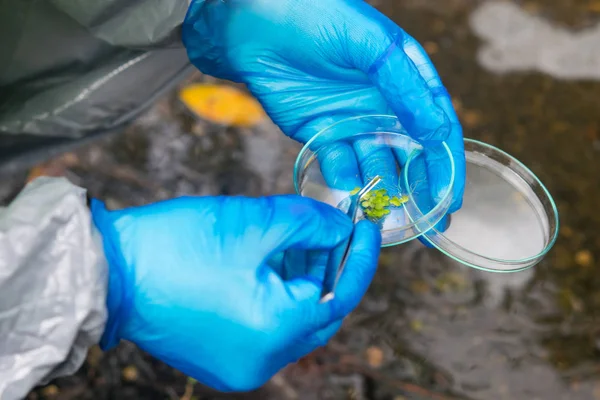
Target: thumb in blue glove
197	283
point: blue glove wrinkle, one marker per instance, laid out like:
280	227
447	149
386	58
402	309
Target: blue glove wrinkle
379	63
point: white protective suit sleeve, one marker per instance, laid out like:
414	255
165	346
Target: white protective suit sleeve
53	283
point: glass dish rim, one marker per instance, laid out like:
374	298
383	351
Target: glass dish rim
499	261
438	207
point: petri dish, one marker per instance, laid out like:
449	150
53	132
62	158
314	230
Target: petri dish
344	157
508	221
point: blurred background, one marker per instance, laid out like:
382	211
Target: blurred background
524	76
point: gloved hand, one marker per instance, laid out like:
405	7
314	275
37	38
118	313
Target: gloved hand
314	62
203	284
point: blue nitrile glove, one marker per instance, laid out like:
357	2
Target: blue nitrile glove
201	282
314	62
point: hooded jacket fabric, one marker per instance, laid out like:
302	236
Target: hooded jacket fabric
69	70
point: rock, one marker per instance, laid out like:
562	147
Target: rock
374	356
584	258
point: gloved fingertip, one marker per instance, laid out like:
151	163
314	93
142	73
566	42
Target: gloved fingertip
457	203
367	237
339	166
372	229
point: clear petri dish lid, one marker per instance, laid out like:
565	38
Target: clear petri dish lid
342	158
508	220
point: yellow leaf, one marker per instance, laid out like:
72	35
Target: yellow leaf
471	118
594	6
50	391
584	258
222	104
431	47
130	373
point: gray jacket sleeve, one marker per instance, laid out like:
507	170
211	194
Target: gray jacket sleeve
53	280
74	68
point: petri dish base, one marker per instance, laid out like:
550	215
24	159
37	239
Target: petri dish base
508	220
342	158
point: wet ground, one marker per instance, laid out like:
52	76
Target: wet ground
428	328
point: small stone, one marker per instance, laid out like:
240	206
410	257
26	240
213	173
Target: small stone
431	47
584	258
438	25
130	373
566	231
94	356
420	287
113	204
50	391
471	118
457	104
416	325
375	356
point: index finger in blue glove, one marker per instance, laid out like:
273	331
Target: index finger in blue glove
353	284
